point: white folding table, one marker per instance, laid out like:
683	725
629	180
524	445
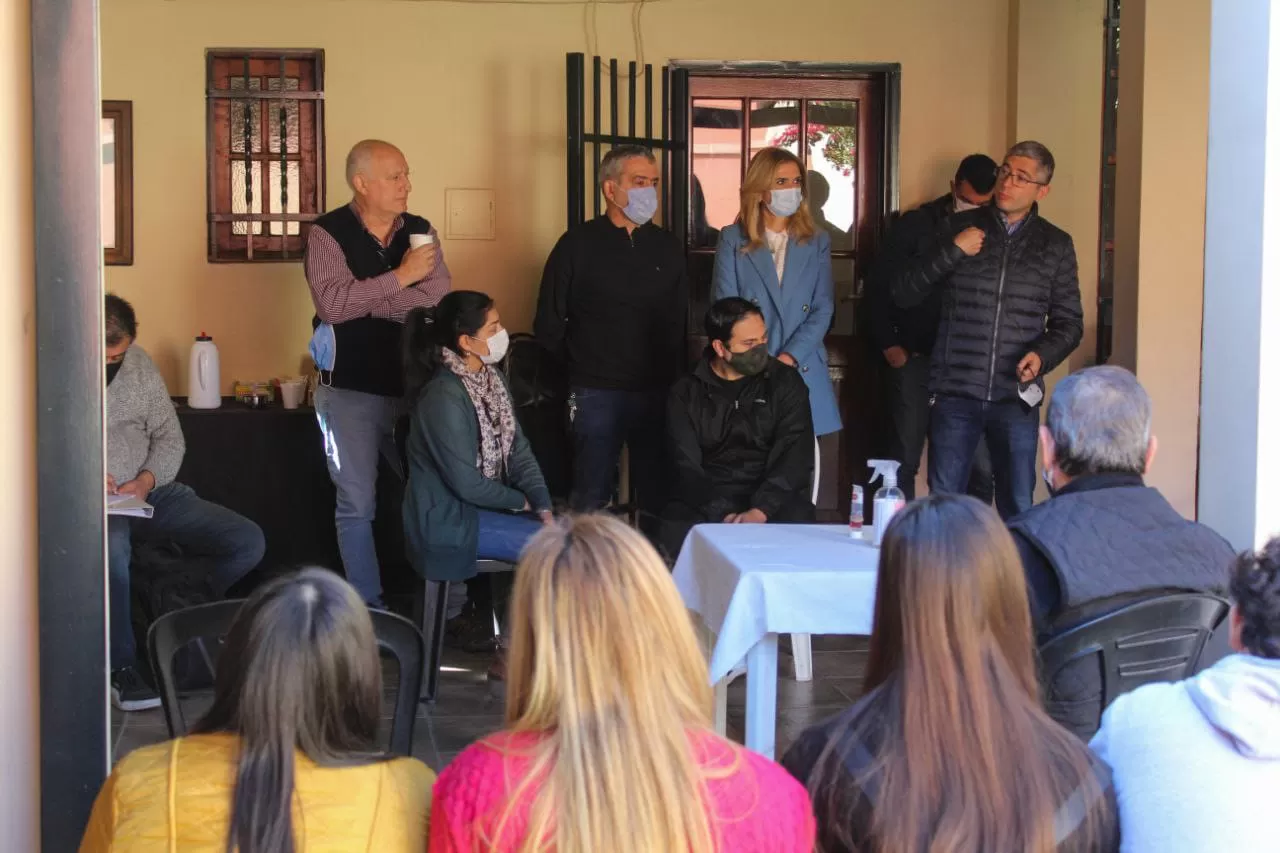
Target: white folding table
751	582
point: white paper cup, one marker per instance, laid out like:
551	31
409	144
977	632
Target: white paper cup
419	240
291	393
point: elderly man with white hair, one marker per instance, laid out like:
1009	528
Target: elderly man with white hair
368	263
1104	539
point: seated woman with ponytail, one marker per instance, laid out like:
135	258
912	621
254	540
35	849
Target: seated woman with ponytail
286	759
475	490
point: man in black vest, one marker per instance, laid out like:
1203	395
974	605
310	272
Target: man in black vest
1104	539
367	263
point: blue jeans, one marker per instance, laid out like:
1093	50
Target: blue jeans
357	427
503	535
229	544
602	421
1011	428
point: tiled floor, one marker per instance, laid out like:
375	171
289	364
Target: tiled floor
469	707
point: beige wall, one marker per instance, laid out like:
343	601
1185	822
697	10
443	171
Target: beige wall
1164	79
475	95
19	704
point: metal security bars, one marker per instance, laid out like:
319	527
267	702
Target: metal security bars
585	149
265	150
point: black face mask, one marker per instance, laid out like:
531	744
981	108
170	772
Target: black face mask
751	362
112	370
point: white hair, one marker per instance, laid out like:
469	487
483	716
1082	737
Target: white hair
360	155
1100	421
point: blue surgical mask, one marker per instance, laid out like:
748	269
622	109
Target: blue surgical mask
642	204
324	347
785	202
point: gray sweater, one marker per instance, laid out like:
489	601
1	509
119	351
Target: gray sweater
143	433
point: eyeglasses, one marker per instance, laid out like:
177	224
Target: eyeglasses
1004	173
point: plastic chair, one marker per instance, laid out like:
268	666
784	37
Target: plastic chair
208	625
432	608
1158	639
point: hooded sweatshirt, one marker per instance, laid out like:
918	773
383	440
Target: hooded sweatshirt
1196	763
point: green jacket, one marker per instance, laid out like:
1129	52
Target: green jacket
446	490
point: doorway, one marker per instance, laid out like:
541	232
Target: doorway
841	123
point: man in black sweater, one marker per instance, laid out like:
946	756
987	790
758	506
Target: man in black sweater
904	336
740	430
1010	313
613	305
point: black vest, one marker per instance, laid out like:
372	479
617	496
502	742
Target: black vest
368	348
1115	541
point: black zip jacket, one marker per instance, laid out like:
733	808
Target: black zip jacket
614	306
887	324
1019	294
750	440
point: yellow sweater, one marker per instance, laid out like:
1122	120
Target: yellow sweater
176	796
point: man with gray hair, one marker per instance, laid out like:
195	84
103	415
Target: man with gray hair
1010	313
614	306
368	263
1104	539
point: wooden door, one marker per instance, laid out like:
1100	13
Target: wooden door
836	126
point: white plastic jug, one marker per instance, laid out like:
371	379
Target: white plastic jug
204	386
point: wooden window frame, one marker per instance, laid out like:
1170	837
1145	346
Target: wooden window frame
308	65
121	112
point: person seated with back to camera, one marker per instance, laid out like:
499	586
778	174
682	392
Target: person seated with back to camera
475	489
740	430
287	757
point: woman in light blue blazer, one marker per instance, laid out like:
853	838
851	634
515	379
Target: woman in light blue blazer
775	256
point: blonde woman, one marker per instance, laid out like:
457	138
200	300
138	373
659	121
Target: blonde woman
776	257
608	744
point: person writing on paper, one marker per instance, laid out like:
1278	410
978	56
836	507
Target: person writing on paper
368	263
740	432
144	452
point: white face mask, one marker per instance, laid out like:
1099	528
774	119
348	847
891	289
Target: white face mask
785	202
497	347
961	205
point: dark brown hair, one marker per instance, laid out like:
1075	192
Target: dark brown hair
300	672
1255	589
964	757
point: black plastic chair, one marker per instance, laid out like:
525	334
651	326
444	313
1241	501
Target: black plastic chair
432	607
208	624
1155	640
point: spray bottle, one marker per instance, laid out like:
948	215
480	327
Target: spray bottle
888	499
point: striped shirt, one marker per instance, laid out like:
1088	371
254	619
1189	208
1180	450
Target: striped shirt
339	296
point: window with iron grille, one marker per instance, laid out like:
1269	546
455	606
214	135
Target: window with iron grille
266	152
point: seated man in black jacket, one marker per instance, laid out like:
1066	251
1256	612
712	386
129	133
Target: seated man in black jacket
740	431
1104	539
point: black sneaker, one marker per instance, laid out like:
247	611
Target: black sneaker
130	690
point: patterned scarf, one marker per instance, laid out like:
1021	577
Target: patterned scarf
493	411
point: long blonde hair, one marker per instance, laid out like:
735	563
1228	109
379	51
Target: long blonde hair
966	758
605	668
759	180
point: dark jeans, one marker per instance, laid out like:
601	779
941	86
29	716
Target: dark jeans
958	425
601	422
228	545
906	392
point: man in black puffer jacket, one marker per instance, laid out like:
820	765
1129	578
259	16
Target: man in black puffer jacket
740	431
1010	313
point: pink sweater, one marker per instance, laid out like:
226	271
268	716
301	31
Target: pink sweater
758	809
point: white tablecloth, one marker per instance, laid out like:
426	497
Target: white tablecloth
749	580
